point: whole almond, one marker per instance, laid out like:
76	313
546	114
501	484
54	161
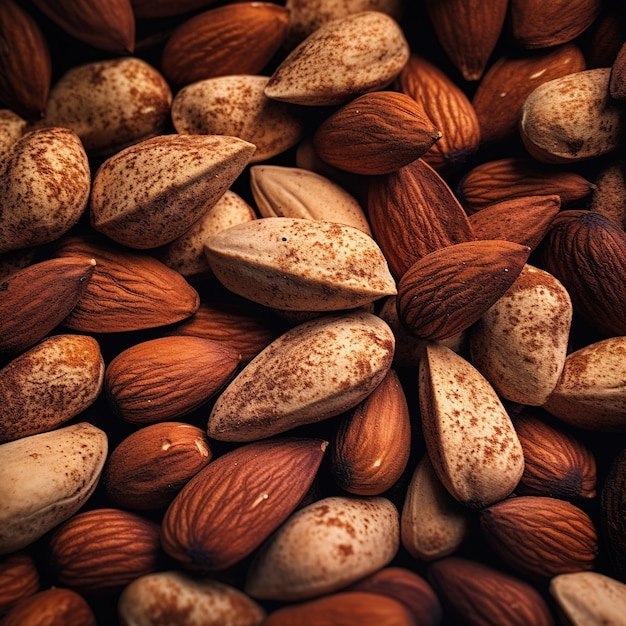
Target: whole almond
181	175
316	370
167	377
55	605
232	505
376	133
300	264
68	370
46	478
342	59
19	578
41	160
469	435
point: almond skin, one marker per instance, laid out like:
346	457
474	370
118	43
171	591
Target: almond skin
19	578
214	521
448	290
55	605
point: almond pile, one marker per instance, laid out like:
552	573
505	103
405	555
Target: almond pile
312	312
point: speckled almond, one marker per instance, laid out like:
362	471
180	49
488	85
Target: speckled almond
521	342
281	191
186	599
300	264
469	436
324	547
110	104
236	105
345	57
45	479
314	371
12	127
46	181
149	194
49	384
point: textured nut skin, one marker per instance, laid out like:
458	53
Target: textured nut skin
19	578
45	479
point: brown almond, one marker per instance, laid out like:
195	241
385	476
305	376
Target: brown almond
617	79
148	9
609	194
55	605
19	578
612	520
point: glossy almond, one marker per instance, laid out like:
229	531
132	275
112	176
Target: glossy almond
448	290
56	605
315	370
413	212
44	293
376	133
343	58
130	291
19	578
104	549
25	64
540	536
150	193
300	264
231	506
68	370
238	38
469	435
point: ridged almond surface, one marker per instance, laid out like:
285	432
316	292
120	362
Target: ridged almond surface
315	370
483	595
44	293
342	59
66	370
520	343
233	505
188	600
448	290
469	435
25	64
540	536
376	133
55	605
591	392
19	578
103	550
281	191
45	479
324	547
46	184
449	109
300	264
373	443
238	38
150	193
130	291
167	377
413	212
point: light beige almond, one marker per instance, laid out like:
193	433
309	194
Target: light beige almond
314	371
12	127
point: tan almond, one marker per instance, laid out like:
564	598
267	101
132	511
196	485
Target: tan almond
609	195
617	80
12	127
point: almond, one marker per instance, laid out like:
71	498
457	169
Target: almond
151	465
19	578
609	195
147	9
167	377
324	547
617	79
238	38
612	520
469	436
130	291
44	293
104	549
314	371
232	505
40	161
468	31
150	193
107	25
300	264
12	127
413	212
46	478
472	590
25	64
372	444
66	370
449	109
540	536
448	290
376	133
342	59
187	600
